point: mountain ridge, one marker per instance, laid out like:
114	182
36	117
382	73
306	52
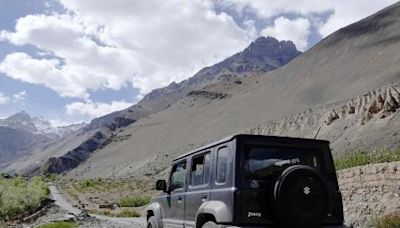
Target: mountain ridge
20	133
262	55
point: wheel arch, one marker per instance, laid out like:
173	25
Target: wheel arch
215	211
154	209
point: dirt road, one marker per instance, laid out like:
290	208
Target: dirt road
61	201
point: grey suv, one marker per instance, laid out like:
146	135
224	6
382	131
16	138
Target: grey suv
250	181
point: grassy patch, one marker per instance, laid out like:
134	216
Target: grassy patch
90	183
51	177
388	221
134	201
60	225
360	158
95	192
19	196
124	213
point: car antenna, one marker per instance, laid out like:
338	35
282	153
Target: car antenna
317	132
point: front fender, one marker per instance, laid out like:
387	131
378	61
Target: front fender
218	209
156	209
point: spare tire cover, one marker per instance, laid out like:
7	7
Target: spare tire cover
301	197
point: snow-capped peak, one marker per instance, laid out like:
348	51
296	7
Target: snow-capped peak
39	125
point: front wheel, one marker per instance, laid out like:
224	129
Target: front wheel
210	224
151	223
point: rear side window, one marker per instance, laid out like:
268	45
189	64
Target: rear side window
223	164
178	176
200	171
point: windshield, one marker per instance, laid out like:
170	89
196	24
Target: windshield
263	162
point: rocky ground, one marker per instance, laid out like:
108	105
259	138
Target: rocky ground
106	193
55	214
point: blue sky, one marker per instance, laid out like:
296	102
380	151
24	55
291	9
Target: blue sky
74	60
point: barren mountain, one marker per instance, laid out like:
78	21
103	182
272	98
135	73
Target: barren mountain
262	55
342	86
21	133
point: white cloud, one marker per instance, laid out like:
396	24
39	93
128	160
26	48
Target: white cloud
66	81
95	109
4	99
271	8
101	44
343	12
296	30
19	97
15	98
347	12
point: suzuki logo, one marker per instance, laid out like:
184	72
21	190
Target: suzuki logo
307	190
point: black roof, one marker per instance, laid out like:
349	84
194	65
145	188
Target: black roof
229	138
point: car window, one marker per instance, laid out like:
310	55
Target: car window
223	164
200	171
265	162
178	176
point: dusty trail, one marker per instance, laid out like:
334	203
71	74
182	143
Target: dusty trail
61	201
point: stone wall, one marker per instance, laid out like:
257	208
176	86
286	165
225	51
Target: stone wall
369	191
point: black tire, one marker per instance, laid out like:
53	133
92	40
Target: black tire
301	197
152	222
210	224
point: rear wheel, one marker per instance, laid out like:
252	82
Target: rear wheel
210	224
151	223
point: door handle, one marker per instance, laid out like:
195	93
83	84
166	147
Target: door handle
180	199
204	198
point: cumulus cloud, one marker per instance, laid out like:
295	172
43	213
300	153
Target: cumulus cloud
99	45
295	30
19	97
347	12
270	8
341	12
15	98
21	66
95	109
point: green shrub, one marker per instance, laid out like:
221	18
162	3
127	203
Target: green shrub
134	201
51	177
90	183
60	225
360	158
388	221
127	213
19	196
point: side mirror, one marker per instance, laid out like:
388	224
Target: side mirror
161	185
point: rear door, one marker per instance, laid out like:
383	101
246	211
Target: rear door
223	175
199	187
175	208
